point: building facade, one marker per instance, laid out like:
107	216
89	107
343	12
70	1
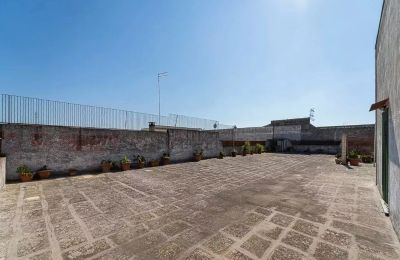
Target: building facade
387	108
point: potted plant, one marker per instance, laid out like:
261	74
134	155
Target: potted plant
106	165
25	174
154	163
221	155
198	155
234	153
354	158
259	148
72	172
367	158
246	148
165	159
125	163
43	172
140	161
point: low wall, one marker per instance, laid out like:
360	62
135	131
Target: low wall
2	172
62	148
182	143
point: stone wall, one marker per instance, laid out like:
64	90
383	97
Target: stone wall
2	172
388	86
304	136
183	143
62	148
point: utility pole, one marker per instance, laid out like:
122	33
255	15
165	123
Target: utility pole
159	75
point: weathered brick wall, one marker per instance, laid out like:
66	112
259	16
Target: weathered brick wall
359	137
183	143
61	148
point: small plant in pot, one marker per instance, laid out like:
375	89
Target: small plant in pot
106	165
198	155
43	172
165	159
72	172
140	161
354	158
221	155
154	163
25	173
125	163
259	148
234	153
246	148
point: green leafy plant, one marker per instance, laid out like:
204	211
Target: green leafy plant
354	154
125	159
140	159
198	152
106	162
259	148
24	171
246	147
221	155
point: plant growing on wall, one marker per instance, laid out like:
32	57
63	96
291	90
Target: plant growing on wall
25	173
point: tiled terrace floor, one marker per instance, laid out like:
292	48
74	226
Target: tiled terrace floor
267	206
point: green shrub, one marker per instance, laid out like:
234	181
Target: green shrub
125	160
354	154
24	170
259	148
246	147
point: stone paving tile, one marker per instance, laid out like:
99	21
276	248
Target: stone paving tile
199	254
298	240
306	227
237	230
237	255
281	220
219	243
284	253
256	245
337	238
174	228
328	252
277	206
86	251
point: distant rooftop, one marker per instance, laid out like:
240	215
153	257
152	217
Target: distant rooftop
291	121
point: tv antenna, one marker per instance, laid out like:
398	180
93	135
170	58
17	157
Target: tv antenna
312	116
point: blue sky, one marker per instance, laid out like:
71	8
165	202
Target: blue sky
239	62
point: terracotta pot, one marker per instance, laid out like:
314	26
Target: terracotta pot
125	166
354	162
154	163
72	172
165	161
233	154
197	157
140	165
44	174
106	167
25	178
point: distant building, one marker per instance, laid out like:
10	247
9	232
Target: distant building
387	107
